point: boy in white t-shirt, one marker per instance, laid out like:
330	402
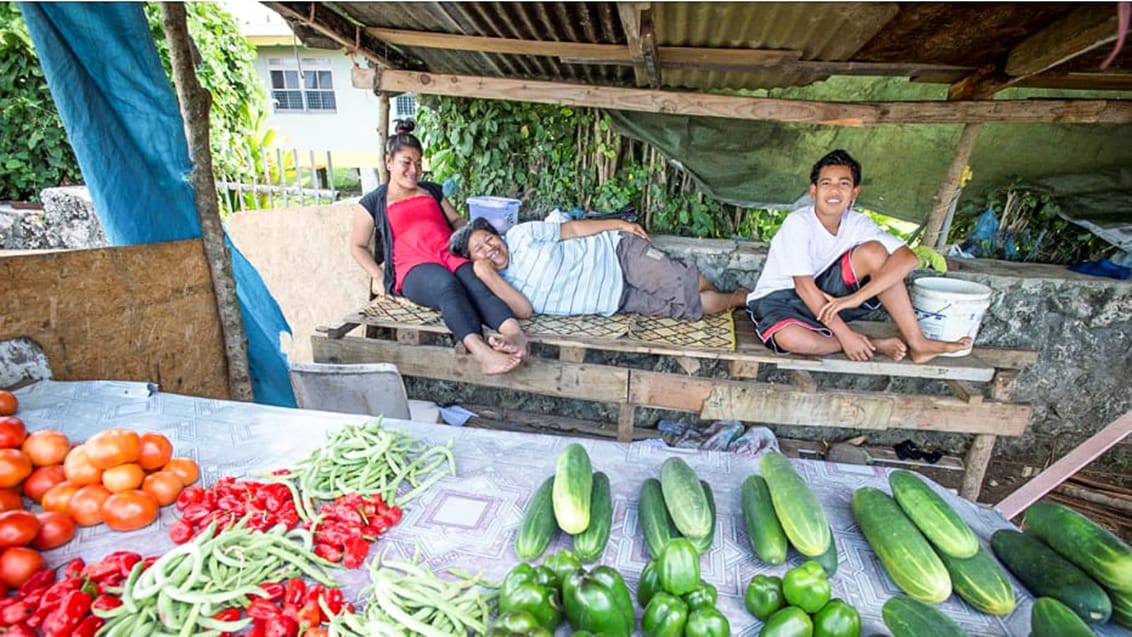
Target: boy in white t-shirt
829	265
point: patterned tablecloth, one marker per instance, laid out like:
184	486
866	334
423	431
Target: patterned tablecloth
469	521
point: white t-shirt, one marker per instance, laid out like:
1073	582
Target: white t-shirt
564	277
803	247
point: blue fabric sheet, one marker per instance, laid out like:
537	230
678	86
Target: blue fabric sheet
125	127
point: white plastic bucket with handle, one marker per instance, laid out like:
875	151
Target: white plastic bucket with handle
949	309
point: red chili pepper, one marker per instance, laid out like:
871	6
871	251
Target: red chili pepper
16	613
19	630
272	590
333	599
354	553
189	495
67	616
74	568
106	601
296	591
39	580
89	626
181	532
309	614
316	631
195	512
227	615
256	631
261	608
327	552
280	626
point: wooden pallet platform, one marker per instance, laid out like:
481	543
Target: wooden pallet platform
982	383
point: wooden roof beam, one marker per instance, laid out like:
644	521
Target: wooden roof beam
630	14
1077	33
736	107
314	16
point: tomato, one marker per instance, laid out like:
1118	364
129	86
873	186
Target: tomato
46	446
58	498
123	477
164	486
17	528
8	403
12	432
17	564
156	450
10	500
78	468
129	510
112	447
184	468
55	530
86	504
14	467
42	479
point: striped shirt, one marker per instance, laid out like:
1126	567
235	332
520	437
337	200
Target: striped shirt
576	276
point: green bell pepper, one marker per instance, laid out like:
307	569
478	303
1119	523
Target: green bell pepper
582	633
679	566
837	619
788	622
563	563
614	582
648	584
764	596
592	604
521	591
707	622
702	596
547	577
806	587
513	622
665	616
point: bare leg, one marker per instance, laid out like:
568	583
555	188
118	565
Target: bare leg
799	340
511	339
491	361
715	301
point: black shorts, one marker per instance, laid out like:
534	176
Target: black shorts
781	308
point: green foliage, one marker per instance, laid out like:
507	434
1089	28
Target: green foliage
33	145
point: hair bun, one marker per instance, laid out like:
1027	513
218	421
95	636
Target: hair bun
403	126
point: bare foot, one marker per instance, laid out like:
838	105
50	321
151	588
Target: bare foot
493	362
928	349
515	345
891	347
739	297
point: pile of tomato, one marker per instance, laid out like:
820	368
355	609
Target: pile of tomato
116	477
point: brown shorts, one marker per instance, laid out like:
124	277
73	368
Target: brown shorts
655	284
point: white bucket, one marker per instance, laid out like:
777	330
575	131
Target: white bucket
949	309
502	212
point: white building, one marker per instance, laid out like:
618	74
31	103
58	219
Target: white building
311	102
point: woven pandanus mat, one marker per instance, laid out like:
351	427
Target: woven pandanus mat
400	310
716	331
589	325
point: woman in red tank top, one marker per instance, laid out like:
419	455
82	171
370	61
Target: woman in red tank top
415	221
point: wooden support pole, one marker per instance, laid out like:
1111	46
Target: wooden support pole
195	102
951	184
978	457
382	134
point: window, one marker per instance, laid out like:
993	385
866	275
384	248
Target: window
405	106
301	86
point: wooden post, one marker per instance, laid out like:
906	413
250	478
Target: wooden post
975	465
382	134
195	103
950	186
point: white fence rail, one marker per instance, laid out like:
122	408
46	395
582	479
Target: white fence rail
279	180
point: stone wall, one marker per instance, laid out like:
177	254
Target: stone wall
65	220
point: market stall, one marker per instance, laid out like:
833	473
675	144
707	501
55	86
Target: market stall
469	521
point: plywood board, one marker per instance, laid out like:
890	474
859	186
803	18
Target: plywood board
144	313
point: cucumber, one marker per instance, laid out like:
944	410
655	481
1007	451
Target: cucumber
1051	618
1046	574
590	544
1121	608
1104	556
981	581
573	485
684	496
763	529
656	524
903	551
828	560
907	617
932	515
798	510
537	528
702	544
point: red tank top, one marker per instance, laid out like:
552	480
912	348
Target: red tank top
420	235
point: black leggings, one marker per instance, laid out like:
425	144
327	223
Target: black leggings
465	303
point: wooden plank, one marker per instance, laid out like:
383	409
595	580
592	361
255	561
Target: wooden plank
514	46
1002	387
942	368
328	23
965	391
978	457
689	364
765	402
570	354
567	380
1068	465
855	114
804	380
408	336
495	417
743	369
630	15
1003	358
337	330
1077	33
626	415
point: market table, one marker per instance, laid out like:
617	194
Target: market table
468	521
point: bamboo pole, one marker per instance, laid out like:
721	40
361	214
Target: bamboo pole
949	189
382	134
195	103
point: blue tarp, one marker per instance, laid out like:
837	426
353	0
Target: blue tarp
125	127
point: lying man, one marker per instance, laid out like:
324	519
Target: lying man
586	267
